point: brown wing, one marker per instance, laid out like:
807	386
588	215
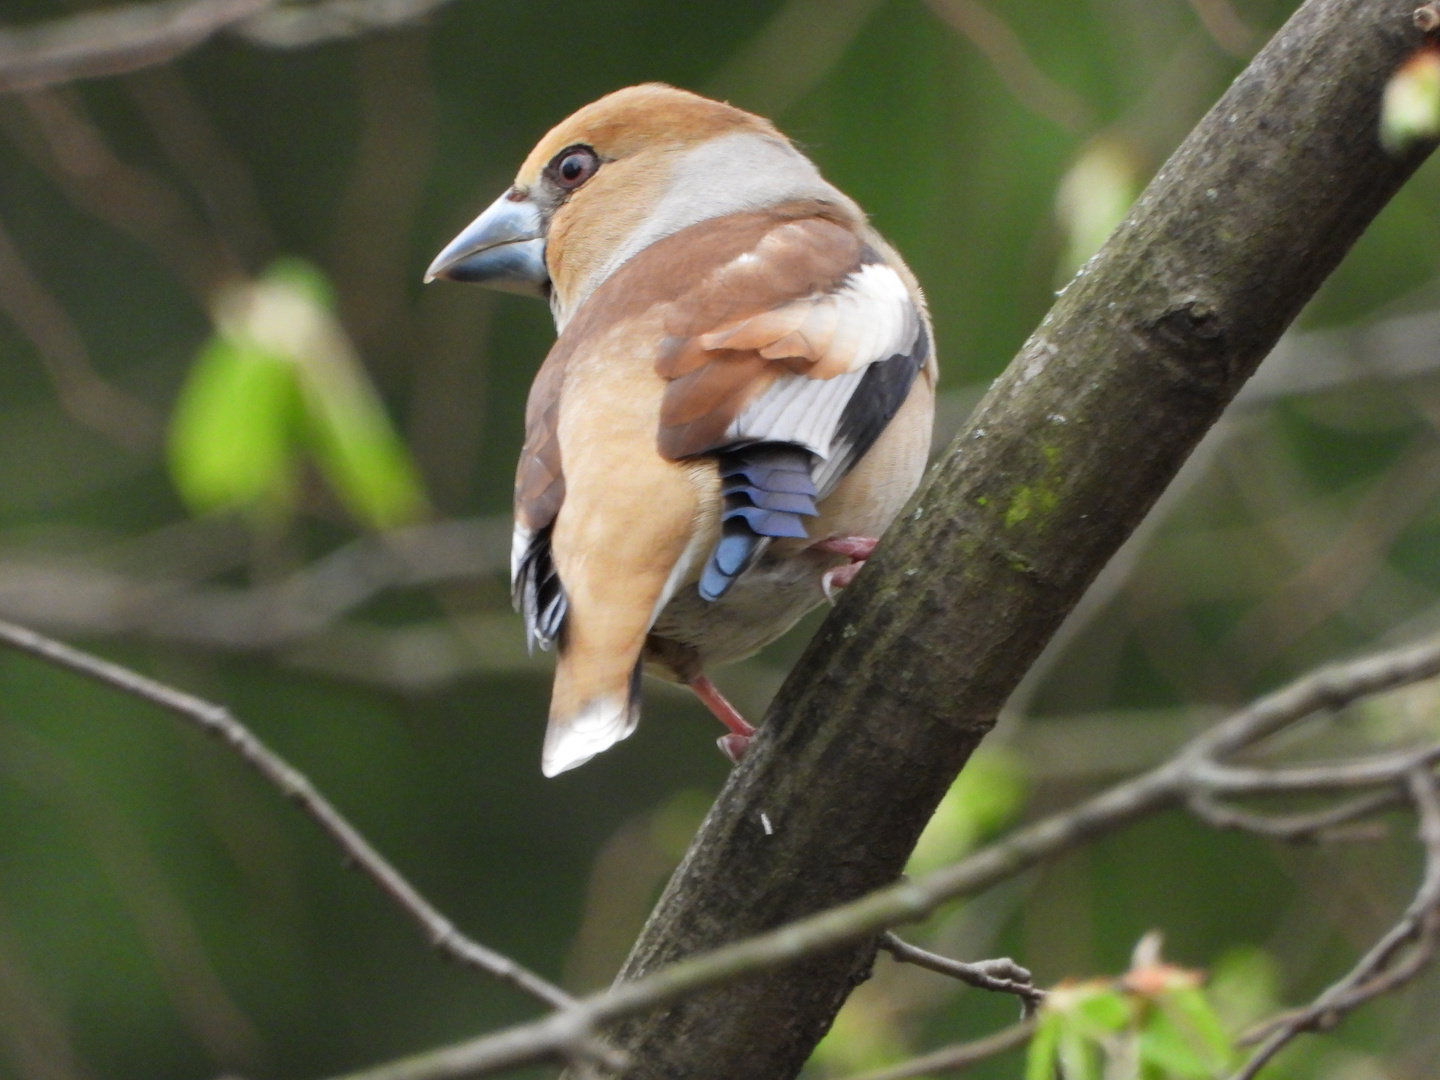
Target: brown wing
786	361
740	328
535	586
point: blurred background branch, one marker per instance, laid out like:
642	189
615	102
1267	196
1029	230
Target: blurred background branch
129	37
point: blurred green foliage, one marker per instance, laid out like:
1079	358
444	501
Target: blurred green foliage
1156	1024
163	915
1411	109
279	377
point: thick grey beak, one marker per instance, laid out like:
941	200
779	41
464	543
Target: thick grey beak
503	248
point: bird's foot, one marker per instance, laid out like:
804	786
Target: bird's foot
734	745
855	548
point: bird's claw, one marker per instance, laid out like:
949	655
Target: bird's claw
855	548
733	746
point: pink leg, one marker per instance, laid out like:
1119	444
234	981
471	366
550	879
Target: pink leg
735	744
855	548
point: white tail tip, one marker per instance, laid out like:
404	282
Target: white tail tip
572	741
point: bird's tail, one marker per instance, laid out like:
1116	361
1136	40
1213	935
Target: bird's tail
593	707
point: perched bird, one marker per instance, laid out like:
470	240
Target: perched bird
738	403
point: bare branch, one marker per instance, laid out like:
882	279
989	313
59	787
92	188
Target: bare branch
113	40
1225	27
295	26
55	130
82	392
1172	783
1189	777
1000	45
1002	976
1323	824
953	1059
134	36
1386	966
100	600
1355	773
1067	452
218	721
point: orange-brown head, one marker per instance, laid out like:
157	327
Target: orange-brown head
619	174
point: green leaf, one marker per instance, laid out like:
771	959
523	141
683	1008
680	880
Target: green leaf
1079	1057
1166	1046
1103	1012
1191	1010
281	377
232	429
1044	1046
1410	112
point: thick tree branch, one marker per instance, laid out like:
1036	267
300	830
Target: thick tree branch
1062	459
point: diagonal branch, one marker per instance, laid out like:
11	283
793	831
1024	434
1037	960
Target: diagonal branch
1387	966
216	720
129	37
568	1032
113	40
1170	784
1066	454
953	1059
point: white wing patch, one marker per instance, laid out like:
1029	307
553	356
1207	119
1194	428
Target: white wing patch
869	318
797	409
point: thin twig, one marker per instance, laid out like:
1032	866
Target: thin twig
999	43
1356	773
56	131
82	392
1226	28
113	40
97	599
1002	976
1378	971
294	26
134	36
218	721
1297	828
1169	784
1191	772
953	1059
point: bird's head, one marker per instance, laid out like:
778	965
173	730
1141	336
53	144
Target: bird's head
623	172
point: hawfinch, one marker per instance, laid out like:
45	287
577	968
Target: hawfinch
739	401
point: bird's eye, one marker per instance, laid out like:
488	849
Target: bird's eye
573	167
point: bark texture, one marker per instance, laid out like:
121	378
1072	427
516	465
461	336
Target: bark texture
1061	460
